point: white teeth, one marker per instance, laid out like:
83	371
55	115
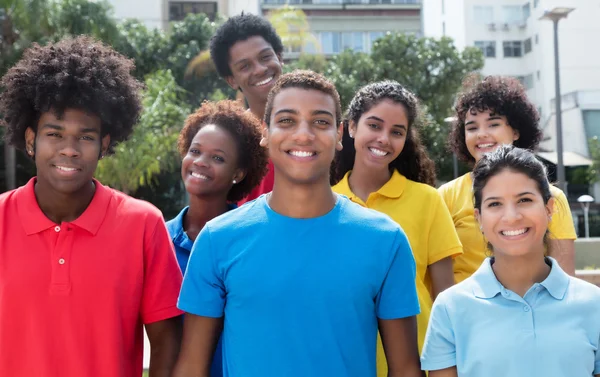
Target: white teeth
489	145
302	153
65	168
378	152
199	176
514	232
265	81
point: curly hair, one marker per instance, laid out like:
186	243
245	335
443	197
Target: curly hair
303	79
240	28
504	96
245	130
413	162
75	73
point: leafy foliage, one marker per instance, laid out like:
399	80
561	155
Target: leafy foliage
152	146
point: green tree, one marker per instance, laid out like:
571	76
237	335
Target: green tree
432	68
151	149
593	173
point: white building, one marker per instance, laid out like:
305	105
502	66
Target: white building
158	13
516	42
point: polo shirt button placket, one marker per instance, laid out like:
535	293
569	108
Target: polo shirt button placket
60	283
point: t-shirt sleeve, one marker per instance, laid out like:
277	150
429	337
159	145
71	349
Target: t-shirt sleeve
162	276
597	360
562	227
443	240
439	349
397	297
203	290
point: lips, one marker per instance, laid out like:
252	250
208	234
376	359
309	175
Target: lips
485	145
378	152
201	176
302	154
514	232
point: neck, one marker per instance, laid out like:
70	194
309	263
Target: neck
201	211
519	273
60	207
363	181
257	107
301	201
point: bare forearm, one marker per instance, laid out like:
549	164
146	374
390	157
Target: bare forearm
442	276
165	340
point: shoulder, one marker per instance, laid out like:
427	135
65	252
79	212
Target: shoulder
8	197
127	207
582	290
356	216
425	191
458	296
176	224
248	215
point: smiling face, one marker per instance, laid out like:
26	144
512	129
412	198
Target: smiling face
302	136
486	131
66	150
513	216
380	135
255	67
211	163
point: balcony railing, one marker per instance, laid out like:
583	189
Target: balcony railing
339	2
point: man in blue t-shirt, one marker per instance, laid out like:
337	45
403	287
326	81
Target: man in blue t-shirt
300	279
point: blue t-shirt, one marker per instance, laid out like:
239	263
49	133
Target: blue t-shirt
183	247
301	297
484	329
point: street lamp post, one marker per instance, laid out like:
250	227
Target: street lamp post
556	15
585	201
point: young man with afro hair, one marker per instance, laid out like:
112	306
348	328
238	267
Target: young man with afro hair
247	53
83	268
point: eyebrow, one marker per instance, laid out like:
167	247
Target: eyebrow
61	128
373	117
492	117
217	149
518	196
295	112
244	59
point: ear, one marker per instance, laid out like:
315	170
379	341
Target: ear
478	218
239	175
340	134
232	83
30	141
352	129
105	144
516	135
264	141
550	208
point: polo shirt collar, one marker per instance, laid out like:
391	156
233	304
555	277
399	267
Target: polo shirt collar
391	189
180	238
34	220
557	281
486	283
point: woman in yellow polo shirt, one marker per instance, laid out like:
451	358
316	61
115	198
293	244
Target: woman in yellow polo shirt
384	166
490	113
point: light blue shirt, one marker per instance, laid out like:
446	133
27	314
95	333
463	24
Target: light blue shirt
301	297
486	330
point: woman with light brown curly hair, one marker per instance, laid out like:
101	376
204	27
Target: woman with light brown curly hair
491	113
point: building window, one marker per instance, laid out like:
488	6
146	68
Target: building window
443	6
444	28
353	41
535	3
373	36
527	81
330	42
512	49
179	9
527	45
512	14
538	75
483	14
537	39
526	11
487	47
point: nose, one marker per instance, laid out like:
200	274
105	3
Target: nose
202	160
481	132
304	133
260	69
383	139
70	148
511	214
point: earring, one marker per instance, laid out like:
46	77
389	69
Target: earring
234	181
30	152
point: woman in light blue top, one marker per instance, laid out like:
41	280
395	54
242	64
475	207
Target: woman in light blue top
520	314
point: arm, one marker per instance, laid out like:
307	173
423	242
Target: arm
165	337
449	372
399	338
200	338
564	253
442	276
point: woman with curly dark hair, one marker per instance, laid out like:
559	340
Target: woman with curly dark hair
491	113
384	166
222	162
90	266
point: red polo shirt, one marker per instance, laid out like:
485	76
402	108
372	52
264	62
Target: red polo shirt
74	296
265	186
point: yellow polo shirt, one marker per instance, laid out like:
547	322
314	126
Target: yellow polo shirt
421	213
458	195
